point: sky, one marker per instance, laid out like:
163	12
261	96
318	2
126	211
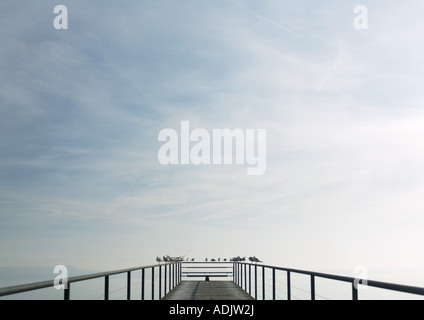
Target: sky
343	109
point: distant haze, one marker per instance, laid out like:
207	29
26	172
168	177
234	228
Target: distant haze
343	108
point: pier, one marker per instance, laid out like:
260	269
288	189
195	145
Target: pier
207	290
185	280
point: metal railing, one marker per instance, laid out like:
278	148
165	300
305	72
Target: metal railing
169	276
247	279
208	270
246	275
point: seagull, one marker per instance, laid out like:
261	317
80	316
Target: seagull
256	259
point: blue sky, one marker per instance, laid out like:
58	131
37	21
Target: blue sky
81	109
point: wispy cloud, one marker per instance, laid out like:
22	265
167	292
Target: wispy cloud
81	111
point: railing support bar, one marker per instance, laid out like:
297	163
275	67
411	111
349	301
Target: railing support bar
256	282
160	282
354	291
129	285
153	283
142	283
164	280
245	277
106	287
273	283
250	279
288	286
312	287
67	293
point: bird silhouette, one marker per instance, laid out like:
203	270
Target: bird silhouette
159	260
192	259
206	259
256	259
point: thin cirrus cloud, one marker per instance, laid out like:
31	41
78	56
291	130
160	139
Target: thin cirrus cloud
81	110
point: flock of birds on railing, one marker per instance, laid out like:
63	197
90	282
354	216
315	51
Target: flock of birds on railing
182	259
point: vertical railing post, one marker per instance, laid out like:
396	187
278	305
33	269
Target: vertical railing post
250	279
67	291
256	282
173	276
164	280
354	291
263	283
245	277
160	282
169	277
288	286
241	275
273	283
129	285
142	283
312	287
107	287
153	283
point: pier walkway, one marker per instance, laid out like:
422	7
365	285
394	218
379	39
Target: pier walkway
207	290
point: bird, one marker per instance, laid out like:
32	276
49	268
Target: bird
192	259
225	259
206	259
213	260
159	260
251	259
219	259
256	259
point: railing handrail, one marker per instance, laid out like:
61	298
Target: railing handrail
211	265
50	283
370	283
236	273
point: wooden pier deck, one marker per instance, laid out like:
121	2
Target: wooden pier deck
207	290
